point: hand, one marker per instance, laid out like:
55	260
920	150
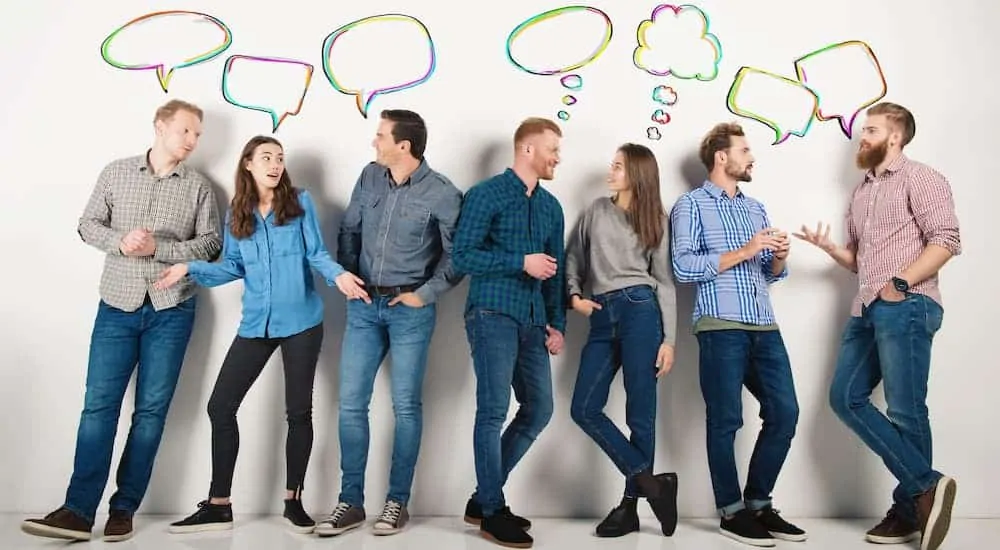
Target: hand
170	276
540	266
138	242
352	286
584	306
784	247
890	294
409	299
553	340
820	237
664	359
765	239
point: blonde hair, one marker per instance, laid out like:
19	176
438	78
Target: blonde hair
167	111
535	125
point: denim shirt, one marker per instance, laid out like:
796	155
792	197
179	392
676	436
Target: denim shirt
279	298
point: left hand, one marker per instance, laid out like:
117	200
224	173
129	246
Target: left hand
890	294
553	340
170	276
664	359
785	245
407	299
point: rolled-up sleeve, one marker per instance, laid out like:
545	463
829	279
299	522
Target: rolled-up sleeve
933	209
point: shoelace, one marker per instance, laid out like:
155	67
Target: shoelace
338	512
391	511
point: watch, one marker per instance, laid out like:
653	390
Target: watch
900	284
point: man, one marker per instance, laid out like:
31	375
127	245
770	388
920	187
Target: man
901	230
146	213
510	241
396	236
724	242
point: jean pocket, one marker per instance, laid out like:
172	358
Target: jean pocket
639	294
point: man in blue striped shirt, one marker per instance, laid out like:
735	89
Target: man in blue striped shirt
510	241
724	243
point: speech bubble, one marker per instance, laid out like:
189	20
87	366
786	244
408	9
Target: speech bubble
676	41
155	38
268	84
847	78
782	104
665	95
378	55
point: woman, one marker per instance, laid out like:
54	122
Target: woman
620	250
272	240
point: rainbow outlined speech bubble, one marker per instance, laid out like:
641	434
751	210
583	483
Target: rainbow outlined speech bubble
165	69
378	76
573	60
271	72
847	78
789	105
676	41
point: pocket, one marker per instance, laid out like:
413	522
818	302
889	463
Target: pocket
287	240
639	295
248	249
411	226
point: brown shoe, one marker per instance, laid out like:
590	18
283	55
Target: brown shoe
118	527
893	529
934	512
61	524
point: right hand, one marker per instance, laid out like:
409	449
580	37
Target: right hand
820	237
134	241
170	276
540	266
352	287
584	306
765	239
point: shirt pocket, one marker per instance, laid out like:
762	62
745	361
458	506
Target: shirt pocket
287	240
248	250
411	226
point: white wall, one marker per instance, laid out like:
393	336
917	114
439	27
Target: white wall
66	113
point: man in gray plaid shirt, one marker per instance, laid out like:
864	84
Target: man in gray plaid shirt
146	213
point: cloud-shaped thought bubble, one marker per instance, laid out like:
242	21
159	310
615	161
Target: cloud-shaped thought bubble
378	55
676	41
165	41
584	33
784	105
268	84
846	76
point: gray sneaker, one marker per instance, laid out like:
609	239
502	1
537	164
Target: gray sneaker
392	520
344	518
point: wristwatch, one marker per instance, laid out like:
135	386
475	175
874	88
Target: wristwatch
900	284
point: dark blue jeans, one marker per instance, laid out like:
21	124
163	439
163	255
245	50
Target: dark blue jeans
505	355
730	360
891	343
625	333
156	341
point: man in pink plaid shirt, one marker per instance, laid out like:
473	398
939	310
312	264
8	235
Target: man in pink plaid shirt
901	230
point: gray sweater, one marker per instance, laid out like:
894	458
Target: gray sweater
605	254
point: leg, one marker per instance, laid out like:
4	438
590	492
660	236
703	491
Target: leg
532	384
642	334
299	354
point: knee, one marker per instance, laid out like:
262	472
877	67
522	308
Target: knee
299	417
842	402
407	407
539	414
785	417
579	411
219	411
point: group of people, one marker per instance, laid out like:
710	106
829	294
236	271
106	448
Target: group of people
409	236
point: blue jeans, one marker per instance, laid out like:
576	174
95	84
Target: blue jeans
505	355
891	343
728	361
373	330
156	341
625	333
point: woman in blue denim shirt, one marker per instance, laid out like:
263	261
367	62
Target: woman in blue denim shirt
273	243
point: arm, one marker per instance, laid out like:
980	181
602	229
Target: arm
316	252
349	236
690	266
228	269
206	243
775	269
576	255
445	277
666	291
554	288
95	223
470	253
934	211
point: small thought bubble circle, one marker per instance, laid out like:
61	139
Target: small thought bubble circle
661	117
665	95
568	100
653	133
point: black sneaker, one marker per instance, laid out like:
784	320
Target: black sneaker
503	530
209	517
778	527
474	515
344	518
744	527
621	521
665	504
297	516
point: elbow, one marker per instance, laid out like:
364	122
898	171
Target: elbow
948	240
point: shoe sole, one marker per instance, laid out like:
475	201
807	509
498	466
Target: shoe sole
939	519
479	521
763	543
200	528
384	531
334	531
789	537
301	529
118	538
494	540
47	531
875	539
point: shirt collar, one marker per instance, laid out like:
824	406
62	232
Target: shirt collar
894	166
716	191
144	166
423	169
516	181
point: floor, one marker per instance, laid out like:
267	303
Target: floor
268	533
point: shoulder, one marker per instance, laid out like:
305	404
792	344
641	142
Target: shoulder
686	200
442	185
368	172
917	172
489	188
123	167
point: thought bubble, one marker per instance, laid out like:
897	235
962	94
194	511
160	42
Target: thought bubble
378	55
653	133
846	77
665	95
661	117
676	41
268	84
568	100
784	105
153	41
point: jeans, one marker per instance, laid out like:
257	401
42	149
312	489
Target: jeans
372	331
505	355
243	364
729	360
156	342
891	343
625	333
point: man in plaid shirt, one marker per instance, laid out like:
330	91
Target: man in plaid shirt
510	241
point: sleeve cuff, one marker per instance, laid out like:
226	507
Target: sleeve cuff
426	294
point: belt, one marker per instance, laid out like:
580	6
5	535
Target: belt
390	290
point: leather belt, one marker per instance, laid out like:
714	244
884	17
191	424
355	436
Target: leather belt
390	290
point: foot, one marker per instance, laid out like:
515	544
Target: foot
665	504
343	518
934	512
778	527
393	519
505	531
744	527
621	521
297	517
893	529
119	526
209	517
474	515
60	524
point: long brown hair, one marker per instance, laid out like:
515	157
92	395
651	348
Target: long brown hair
645	213
286	204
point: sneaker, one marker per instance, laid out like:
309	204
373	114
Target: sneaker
621	521
297	517
119	526
893	529
505	531
934	512
209	517
665	504
343	518
393	519
474	515
744	527
60	524
778	527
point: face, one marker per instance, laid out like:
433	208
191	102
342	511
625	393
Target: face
738	160
387	150
544	152
875	141
179	135
267	165
617	177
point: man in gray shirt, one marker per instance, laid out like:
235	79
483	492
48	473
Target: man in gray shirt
146	213
396	235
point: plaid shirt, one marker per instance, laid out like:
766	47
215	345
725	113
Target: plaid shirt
499	225
180	211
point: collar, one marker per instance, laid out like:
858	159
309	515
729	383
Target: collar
717	192
423	169
144	166
897	164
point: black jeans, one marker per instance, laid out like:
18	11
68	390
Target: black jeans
243	364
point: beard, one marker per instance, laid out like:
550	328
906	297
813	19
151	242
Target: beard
733	170
873	155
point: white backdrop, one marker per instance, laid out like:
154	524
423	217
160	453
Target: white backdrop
67	112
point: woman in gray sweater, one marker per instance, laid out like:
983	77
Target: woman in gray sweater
620	250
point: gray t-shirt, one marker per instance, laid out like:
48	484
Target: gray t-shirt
605	254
